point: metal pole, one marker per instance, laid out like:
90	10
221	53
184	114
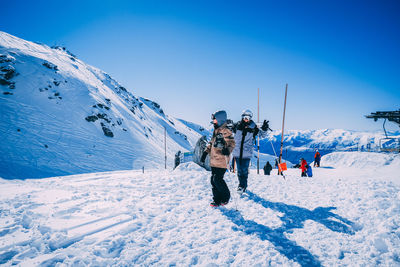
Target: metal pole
258	137
165	146
283	128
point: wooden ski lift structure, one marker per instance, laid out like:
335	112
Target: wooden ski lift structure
393	116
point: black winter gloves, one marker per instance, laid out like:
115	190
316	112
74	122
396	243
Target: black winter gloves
230	125
203	157
225	151
265	126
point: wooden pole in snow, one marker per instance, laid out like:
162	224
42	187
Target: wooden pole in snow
258	137
283	127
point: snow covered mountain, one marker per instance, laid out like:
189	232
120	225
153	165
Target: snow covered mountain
298	144
197	128
60	116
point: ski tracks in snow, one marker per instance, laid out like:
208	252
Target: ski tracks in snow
55	216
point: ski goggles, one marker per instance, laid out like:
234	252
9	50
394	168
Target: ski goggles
212	118
246	117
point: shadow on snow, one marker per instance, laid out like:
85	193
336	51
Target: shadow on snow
293	217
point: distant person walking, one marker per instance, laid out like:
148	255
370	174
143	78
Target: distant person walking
245	133
317	158
303	167
267	168
177	159
219	149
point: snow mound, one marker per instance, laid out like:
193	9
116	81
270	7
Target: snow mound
360	159
395	162
189	166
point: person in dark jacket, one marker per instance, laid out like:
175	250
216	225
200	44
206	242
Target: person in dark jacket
267	168
177	159
303	167
219	148
317	158
245	133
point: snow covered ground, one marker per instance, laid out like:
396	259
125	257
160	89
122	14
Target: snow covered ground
343	216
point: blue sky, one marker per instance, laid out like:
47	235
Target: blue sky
339	58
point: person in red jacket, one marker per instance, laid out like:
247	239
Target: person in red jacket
303	167
317	158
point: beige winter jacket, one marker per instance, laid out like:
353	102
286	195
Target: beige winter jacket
216	144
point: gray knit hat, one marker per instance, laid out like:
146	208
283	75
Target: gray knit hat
220	116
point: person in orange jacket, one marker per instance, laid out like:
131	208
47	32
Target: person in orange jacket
317	158
303	167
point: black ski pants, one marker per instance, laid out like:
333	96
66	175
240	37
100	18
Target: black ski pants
316	162
220	190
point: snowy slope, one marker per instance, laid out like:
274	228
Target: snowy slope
340	217
381	166
198	128
368	160
61	116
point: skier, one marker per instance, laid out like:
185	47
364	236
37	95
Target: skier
177	159
267	168
245	132
303	167
317	158
219	149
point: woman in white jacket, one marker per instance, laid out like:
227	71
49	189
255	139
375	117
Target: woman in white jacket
245	133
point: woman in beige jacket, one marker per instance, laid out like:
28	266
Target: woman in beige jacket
219	148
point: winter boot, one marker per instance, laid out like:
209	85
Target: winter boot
240	190
213	204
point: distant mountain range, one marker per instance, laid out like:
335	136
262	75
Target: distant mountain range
303	144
